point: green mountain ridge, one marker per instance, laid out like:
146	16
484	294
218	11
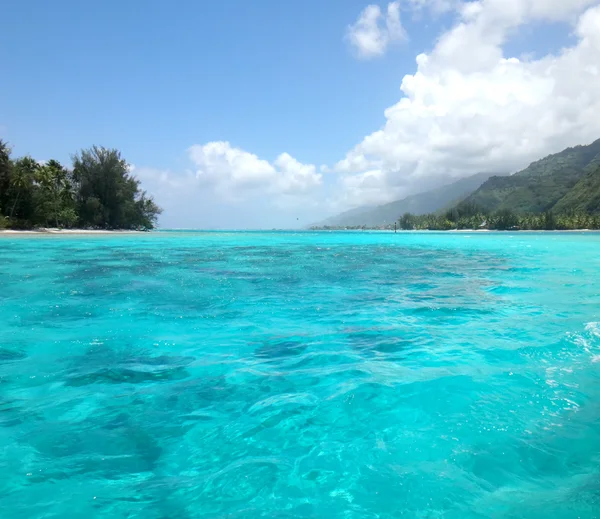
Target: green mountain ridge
426	202
562	182
584	197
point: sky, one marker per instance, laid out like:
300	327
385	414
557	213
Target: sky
276	114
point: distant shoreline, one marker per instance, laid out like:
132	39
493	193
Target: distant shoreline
454	231
102	232
46	232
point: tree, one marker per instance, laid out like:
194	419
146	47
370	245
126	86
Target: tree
108	196
5	176
55	192
407	222
98	192
548	221
147	210
504	219
21	188
68	217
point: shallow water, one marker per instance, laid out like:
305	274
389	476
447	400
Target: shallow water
350	375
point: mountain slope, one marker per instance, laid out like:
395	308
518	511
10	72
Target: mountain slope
543	184
585	195
422	203
347	216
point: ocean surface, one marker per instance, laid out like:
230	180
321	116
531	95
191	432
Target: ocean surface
300	375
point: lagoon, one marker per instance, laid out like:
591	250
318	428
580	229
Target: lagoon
300	374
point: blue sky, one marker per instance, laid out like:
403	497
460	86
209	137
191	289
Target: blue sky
156	78
152	78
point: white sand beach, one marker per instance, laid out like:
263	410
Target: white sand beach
47	231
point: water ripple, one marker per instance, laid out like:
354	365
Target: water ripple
300	375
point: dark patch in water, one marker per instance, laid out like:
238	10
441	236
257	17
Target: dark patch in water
380	342
124	448
104	357
460	312
281	349
237	274
198	393
11	413
8	355
161	360
126	376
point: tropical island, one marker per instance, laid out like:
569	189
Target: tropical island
97	193
559	192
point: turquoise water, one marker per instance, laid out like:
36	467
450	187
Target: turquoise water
300	375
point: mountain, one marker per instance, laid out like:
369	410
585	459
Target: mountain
351	215
585	195
562	182
422	203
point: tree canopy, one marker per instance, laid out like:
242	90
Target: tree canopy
98	192
565	181
501	220
561	192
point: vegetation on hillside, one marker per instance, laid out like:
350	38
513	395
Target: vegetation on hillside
585	195
559	192
433	200
563	182
98	192
469	216
465	218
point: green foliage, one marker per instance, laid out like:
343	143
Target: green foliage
585	195
99	192
21	190
407	222
504	220
5	176
108	196
68	217
559	192
54	194
566	181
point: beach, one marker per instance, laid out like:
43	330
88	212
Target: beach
47	231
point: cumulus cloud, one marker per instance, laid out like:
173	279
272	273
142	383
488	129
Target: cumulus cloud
225	181
374	31
435	6
361	189
470	108
235	173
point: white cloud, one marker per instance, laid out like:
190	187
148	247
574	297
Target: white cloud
164	183
235	173
374	31
361	189
189	200
230	170
435	6
228	182
294	178
469	108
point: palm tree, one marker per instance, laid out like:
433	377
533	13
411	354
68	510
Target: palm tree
22	178
52	178
5	175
